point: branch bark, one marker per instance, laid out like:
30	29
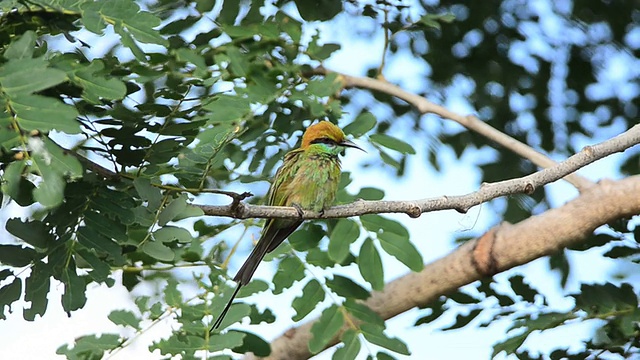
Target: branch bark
502	247
414	208
470	122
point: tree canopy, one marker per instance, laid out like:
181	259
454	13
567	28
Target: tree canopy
137	139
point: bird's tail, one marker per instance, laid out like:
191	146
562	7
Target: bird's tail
243	276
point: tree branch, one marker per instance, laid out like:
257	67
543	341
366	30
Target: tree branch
502	247
470	122
461	203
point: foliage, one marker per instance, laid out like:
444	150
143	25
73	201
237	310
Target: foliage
107	145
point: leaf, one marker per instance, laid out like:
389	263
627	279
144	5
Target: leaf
254	344
510	345
35	112
90	239
255	286
370	265
171	211
290	270
392	143
321	52
22	47
158	251
602	299
21	77
325	86
325	328
36	290
312	294
172	233
106	226
350	348
124	318
9	293
346	287
74	296
101	269
437	308
375	335
343	235
98	87
90	346
33	232
364	123
369	193
394	239
322	10
363	312
17	256
148	192
521	288
463	320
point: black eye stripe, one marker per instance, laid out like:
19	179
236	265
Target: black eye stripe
324	140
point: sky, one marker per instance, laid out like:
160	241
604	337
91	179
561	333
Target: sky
431	233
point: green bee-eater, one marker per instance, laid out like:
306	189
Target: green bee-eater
307	180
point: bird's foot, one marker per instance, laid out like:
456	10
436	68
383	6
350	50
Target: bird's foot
299	210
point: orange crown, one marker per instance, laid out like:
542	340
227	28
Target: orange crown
320	130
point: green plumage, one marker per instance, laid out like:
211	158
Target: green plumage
308	179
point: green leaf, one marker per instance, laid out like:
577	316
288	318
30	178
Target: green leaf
172	233
90	239
124	318
98	87
254	344
325	86
158	251
463	320
9	293
236	313
22	47
370	265
350	348
101	269
510	345
90	346
35	112
363	312
34	232
602	299
521	288
392	143
21	77
394	239
148	192
437	308
36	290
291	269
104	225
369	193
255	286
312	294
364	123
346	287
343	235
325	328
375	335
171	211
75	287
322	10
321	52
16	255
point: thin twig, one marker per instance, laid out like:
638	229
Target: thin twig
470	122
461	203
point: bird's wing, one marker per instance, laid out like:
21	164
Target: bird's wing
275	231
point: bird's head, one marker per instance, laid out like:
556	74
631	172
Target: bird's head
326	137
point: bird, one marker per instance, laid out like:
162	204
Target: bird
307	180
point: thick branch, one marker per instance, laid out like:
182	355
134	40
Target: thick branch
461	203
425	106
501	248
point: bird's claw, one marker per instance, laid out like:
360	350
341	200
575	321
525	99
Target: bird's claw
299	210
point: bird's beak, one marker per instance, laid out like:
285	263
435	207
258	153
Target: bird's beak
351	144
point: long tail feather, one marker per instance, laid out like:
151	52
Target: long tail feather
226	308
